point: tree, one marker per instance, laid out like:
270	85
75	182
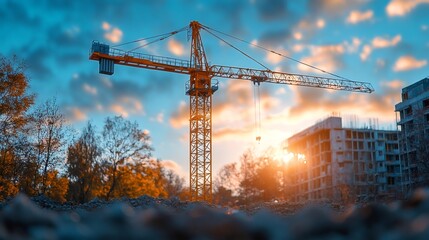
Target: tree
49	138
226	185
56	186
415	138
174	184
14	103
83	166
122	143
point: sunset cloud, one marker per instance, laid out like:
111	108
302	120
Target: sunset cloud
176	47
402	7
105	26
406	63
394	84
297	35
380	104
75	114
113	34
320	23
327	57
119	110
380	42
234	114
357	16
126	106
180	117
173	166
274	58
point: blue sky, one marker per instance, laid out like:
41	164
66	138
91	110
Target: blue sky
385	42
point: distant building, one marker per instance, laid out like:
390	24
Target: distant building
343	164
414	138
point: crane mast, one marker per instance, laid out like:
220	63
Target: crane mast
200	90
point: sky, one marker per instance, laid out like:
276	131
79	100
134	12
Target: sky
384	42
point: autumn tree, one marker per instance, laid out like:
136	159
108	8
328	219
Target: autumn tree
122	143
141	178
14	103
49	138
255	179
83	168
56	185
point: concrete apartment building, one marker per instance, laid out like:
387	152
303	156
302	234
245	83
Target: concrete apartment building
413	122
343	164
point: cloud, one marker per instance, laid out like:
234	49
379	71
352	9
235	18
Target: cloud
173	166
320	23
357	16
234	114
270	10
406	63
35	60
394	84
125	106
275	38
176	47
158	118
105	26
113	34
119	110
298	47
274	58
18	14
311	101
353	46
75	114
332	8
89	89
180	117
119	96
297	35
379	42
366	51
402	7
327	57
230	10
381	63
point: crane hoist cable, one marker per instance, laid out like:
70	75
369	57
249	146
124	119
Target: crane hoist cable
257	108
256	90
274	52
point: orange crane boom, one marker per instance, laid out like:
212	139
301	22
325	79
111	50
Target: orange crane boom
200	89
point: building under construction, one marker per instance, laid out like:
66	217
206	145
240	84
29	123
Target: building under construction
413	122
343	164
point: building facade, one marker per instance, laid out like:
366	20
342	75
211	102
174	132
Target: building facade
343	164
413	121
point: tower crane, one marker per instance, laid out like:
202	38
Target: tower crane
200	89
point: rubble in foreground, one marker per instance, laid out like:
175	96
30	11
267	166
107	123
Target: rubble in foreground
146	217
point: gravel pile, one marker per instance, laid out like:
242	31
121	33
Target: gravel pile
151	218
